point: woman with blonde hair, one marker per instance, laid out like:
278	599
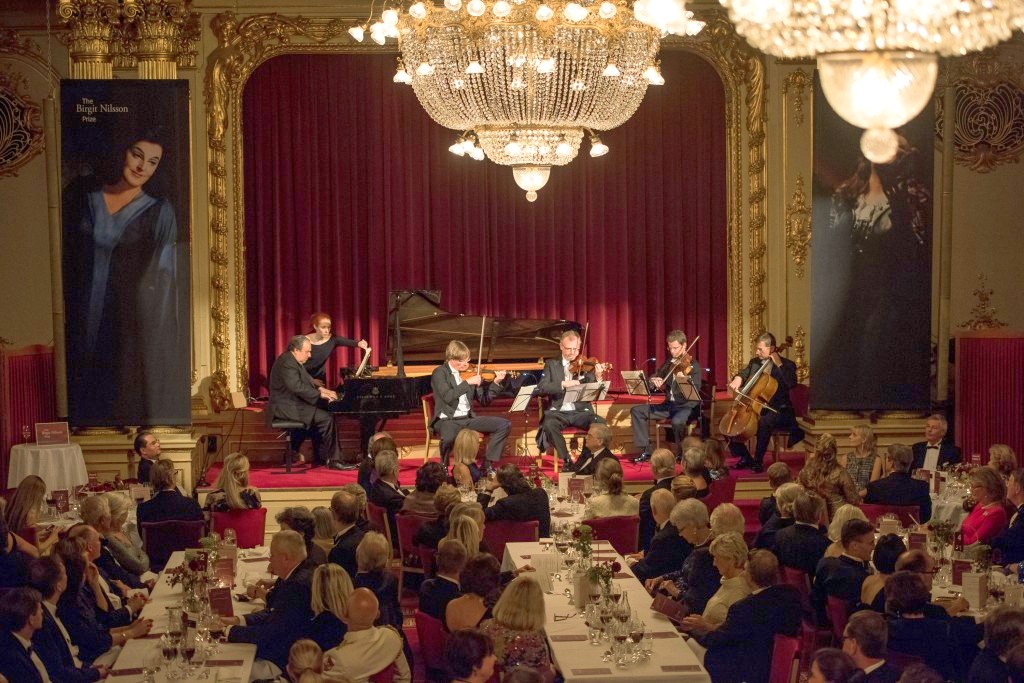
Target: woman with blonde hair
464	451
729	552
988	518
360	495
305	662
331	588
862	464
373	560
23	510
125	546
464	528
517	626
232	490
1002	458
823	475
323	527
613	502
835	528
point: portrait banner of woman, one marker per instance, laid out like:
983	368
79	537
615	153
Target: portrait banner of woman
871	267
126	212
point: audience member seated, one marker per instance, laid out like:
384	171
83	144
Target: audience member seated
287	615
693	467
1002	459
785	497
95	512
323	527
833	666
1004	628
1010	543
740	649
232	490
22	513
911	632
480	581
345	508
436	593
714	460
465	472
932	454
824	476
125	547
667	549
147	448
612	502
841	577
921	563
683	487
381	441
517	627
887	552
802	544
597	444
431	532
366	649
385	492
691	522
15	555
835	527
301	520
21	616
373	557
305	662
421	500
111	590
663	469
330	591
469	657
988	518
778	474
730	556
363	522
899	488
52	642
861	463
522	503
465	530
866	639
167	502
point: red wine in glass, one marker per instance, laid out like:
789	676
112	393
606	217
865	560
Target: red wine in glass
188	652
169	652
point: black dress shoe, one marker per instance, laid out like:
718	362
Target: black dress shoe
643	457
757	467
340	466
743	465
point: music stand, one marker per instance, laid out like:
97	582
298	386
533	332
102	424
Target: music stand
636	385
519	405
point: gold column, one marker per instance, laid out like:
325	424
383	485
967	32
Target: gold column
154	36
93	24
946	237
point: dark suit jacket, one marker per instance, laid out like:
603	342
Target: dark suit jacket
934	641
667	553
887	673
899	488
765	538
15	663
293	395
1011	542
327	630
670	386
987	667
113	569
587	464
767	509
384	495
78	613
948	454
447	393
385	587
647	525
740	650
431	533
168	504
840	577
801	547
435	594
784	374
286	618
145	465
550	384
520	507
51	647
344	551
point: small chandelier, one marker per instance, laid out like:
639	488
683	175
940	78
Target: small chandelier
523	80
877	59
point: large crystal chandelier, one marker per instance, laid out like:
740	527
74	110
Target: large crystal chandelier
524	81
876	58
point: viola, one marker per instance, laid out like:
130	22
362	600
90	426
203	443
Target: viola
488	374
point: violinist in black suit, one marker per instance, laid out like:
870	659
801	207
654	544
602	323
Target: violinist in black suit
781	416
453	404
556	378
676	406
934	452
294	397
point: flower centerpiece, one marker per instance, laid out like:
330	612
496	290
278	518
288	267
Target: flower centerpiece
943	534
582	541
602	575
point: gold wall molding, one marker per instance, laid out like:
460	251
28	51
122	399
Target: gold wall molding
796	88
803	372
244	43
983	315
798	227
21	127
92	25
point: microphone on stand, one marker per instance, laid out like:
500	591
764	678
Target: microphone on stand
651	359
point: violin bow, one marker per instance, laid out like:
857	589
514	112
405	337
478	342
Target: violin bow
480	351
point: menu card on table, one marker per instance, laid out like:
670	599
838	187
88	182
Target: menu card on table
669	607
960	567
917	540
220	602
60	500
140	492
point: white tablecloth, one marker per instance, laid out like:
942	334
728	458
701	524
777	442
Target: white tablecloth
580	662
948	510
61	467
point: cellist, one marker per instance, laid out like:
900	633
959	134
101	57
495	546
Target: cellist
782	415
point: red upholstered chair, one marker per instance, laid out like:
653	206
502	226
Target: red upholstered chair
621	531
160	539
378	517
499	533
249	525
810	633
408	524
838	612
783	653
385	676
908	514
432	637
799	396
722	491
426	556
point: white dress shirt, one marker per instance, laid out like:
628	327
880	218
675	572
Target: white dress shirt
566	406
52	609
931	457
27	644
464	406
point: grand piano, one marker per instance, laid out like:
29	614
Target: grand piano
419	329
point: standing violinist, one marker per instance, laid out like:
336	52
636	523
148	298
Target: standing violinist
557	377
782	417
677	378
453	404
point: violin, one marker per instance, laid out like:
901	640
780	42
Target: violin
684	363
486	373
751	400
586	364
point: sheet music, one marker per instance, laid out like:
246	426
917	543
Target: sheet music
522	399
572	394
636	382
594	391
362	365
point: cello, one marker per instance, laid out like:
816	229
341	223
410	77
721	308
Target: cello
751	400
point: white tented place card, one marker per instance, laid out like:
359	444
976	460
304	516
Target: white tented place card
888	525
975	589
1014	595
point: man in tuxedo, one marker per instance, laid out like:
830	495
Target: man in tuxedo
287	616
663	469
436	593
676	387
294	396
453	404
1010	543
740	650
865	640
932	453
385	492
523	502
667	548
21	615
899	488
842	576
147	448
781	416
347	534
802	544
560	414
597	441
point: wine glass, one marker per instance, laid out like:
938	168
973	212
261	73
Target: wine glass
151	665
636	635
169	653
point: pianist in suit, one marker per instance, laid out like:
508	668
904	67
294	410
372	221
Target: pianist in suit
453	404
294	396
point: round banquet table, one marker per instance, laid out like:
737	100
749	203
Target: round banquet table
61	467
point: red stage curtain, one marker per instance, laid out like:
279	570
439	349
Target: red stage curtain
989	392
28	396
351	192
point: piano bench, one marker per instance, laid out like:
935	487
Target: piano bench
286	428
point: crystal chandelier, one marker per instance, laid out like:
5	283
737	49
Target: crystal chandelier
877	58
524	80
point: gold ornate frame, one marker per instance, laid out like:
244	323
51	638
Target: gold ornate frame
244	43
